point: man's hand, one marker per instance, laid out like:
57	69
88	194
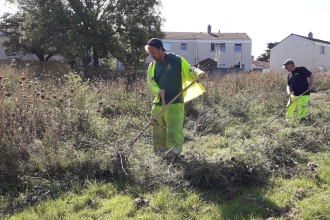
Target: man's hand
310	86
289	94
161	93
202	75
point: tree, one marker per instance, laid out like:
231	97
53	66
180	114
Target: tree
117	27
266	56
217	55
9	28
33	30
78	28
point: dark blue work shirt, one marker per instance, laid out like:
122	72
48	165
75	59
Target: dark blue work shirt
298	80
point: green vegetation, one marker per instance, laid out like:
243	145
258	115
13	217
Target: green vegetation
82	31
64	151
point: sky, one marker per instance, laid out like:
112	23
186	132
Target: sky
264	21
5	7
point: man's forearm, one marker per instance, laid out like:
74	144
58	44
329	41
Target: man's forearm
288	89
311	80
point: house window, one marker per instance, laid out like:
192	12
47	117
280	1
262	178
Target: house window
167	46
222	47
238	48
212	46
183	47
322	49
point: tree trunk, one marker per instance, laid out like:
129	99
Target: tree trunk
49	56
96	58
40	56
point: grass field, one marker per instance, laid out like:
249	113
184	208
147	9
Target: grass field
64	154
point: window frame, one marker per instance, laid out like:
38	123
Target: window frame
183	47
167	46
238	46
222	46
212	47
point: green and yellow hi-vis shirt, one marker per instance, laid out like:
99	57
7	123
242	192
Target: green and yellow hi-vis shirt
173	75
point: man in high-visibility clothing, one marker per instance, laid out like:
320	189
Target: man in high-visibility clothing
168	75
300	80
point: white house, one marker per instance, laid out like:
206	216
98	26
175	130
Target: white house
312	53
235	48
256	65
4	55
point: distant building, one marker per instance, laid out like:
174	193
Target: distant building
207	64
4	54
312	53
235	48
259	65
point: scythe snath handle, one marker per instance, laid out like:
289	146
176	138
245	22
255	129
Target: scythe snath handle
131	144
288	106
162	97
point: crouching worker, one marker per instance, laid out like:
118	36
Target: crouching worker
168	75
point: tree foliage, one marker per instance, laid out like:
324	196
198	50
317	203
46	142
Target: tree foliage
266	56
81	28
9	28
34	29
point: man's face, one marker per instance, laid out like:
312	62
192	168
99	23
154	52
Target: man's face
156	53
289	67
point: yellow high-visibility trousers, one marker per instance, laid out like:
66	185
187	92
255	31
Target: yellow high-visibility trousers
302	104
168	132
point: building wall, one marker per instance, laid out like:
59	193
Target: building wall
3	55
254	66
302	51
322	60
198	50
2	51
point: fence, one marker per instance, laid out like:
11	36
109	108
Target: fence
39	67
129	75
214	72
58	69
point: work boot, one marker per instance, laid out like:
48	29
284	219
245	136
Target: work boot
172	157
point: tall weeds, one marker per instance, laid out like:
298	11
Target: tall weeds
57	131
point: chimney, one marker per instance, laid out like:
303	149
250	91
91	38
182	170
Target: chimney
252	58
209	29
310	35
219	32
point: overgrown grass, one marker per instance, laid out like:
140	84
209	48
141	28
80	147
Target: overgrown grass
64	151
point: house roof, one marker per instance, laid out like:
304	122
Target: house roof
205	36
207	59
312	39
308	38
260	63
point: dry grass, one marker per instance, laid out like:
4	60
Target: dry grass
58	133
